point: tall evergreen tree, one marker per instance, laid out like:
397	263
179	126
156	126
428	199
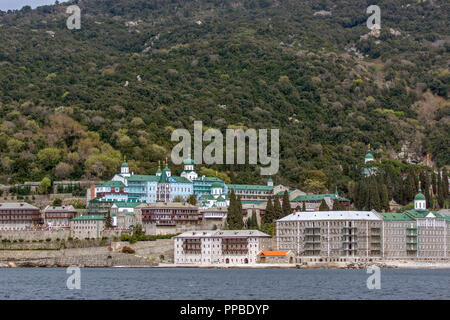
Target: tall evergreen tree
324	206
278	212
384	198
286	206
374	195
108	221
445	182
304	206
268	215
234	215
434	183
441	192
336	206
254	221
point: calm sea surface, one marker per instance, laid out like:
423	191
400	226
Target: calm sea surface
128	283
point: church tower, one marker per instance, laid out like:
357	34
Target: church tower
189	172
420	202
124	169
369	156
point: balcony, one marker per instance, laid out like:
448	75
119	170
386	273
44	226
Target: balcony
410	234
312	246
165	223
234	250
312	239
312	231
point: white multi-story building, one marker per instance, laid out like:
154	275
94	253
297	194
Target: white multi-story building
19	216
332	235
58	217
232	247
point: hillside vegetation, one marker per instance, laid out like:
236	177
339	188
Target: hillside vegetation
74	102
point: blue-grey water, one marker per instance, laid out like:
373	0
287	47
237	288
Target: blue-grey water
247	284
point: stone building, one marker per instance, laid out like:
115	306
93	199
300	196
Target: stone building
431	231
414	234
231	247
19	216
252	192
89	226
58	217
214	216
122	214
399	233
312	201
169	217
330	234
284	256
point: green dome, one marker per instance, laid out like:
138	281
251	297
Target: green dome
419	196
369	156
188	161
124	164
216	185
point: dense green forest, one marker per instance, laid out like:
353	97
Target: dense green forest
74	102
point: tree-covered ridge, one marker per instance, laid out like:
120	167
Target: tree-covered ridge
74	102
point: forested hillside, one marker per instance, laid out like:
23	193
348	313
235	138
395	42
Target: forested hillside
73	102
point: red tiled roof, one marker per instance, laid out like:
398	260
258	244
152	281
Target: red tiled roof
273	253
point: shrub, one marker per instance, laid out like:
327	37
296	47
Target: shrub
20	240
48	239
126	249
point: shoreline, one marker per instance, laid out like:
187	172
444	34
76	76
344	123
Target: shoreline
381	265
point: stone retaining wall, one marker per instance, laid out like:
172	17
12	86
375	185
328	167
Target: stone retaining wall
148	253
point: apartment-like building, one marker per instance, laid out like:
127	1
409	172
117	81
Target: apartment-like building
19	216
312	202
169	217
230	247
330	234
58	217
89	226
253	192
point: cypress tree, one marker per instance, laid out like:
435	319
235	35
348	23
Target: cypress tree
254	221
445	183
108	221
336	206
434	183
304	206
268	216
384	198
441	192
234	215
238	214
324	206
286	207
278	212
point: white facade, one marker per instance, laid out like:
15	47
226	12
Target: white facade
230	247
